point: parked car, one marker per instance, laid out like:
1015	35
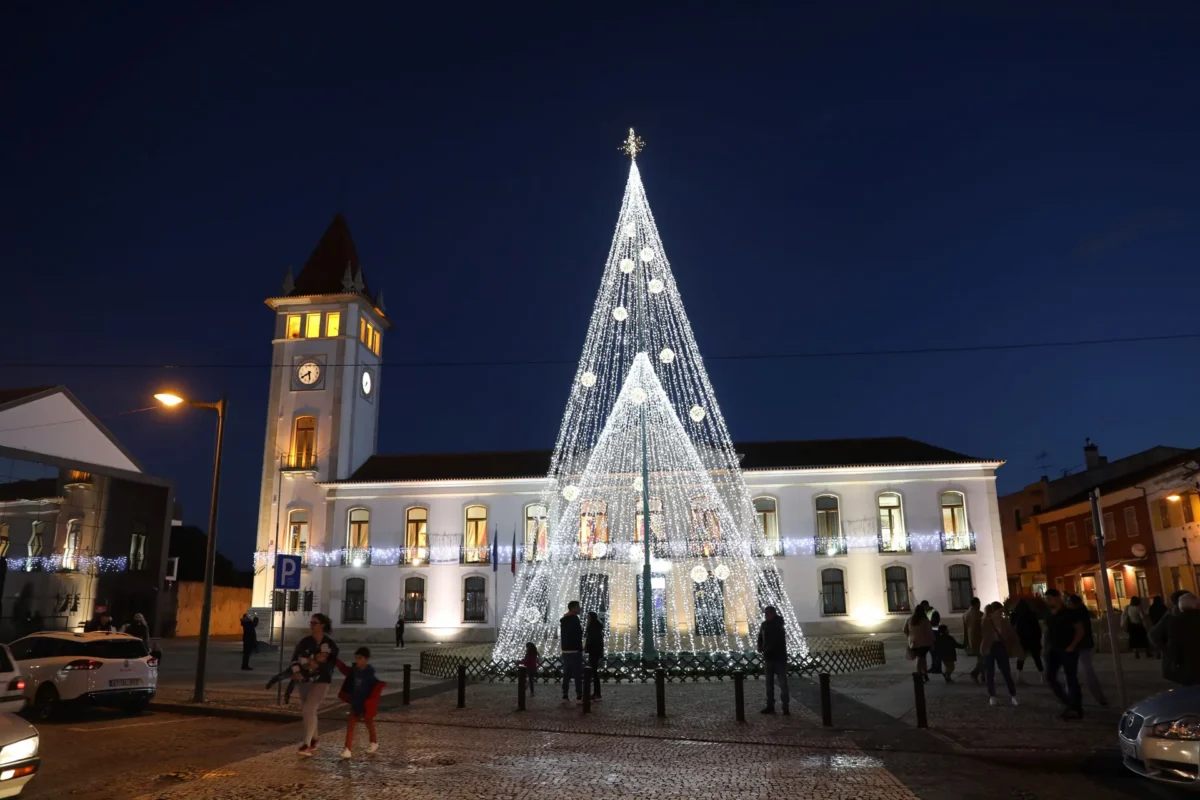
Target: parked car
18	754
103	668
12	685
1160	737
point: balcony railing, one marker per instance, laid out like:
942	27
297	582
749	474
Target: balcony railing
355	556
830	546
298	462
475	555
413	555
958	542
895	543
768	547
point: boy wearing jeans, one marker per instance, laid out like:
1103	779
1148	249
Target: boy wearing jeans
571	636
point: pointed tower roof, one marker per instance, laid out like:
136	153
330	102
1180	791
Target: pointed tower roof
331	259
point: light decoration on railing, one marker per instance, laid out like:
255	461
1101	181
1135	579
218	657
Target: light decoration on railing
85	564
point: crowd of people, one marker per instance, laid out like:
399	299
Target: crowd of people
1059	641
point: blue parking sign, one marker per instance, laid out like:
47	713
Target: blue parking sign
287	572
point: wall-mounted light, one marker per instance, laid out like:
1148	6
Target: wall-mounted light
1174	498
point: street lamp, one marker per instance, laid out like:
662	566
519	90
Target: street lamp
170	400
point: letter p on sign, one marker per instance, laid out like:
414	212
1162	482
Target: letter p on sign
287	572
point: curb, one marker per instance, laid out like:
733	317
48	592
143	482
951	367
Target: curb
203	710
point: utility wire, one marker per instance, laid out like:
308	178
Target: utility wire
979	348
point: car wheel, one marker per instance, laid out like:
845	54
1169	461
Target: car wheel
46	704
136	707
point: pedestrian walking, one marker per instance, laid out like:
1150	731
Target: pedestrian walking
593	644
998	640
1183	642
946	649
530	662
249	637
570	636
935	622
1135	627
140	629
920	640
1155	613
316	653
1160	636
361	691
772	643
972	633
1029	636
1087	649
1064	631
400	630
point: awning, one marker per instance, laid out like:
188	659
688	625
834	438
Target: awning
1088	569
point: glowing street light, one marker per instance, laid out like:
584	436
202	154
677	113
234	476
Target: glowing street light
1174	498
170	400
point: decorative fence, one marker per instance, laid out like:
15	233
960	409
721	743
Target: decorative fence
825	655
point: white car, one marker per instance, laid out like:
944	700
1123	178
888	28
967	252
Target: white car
18	754
1160	737
12	685
103	668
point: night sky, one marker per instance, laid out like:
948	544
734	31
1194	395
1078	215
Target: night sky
842	178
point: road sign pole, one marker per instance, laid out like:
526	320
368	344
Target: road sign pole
282	628
287	578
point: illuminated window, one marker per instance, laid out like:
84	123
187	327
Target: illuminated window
475	538
35	544
362	330
829	540
3	539
297	536
537	531
892	538
768	524
358	534
71	548
333	323
706	527
312	326
375	341
955	534
137	547
655	520
414	599
304	443
416	536
593	528
896	588
293	326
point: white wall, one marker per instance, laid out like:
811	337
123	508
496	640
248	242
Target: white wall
55	426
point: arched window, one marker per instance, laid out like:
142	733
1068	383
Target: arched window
475	537
304	443
36	545
416	536
354	605
833	592
414	599
297	536
474	599
593	529
4	541
892	538
137	547
770	588
537	530
706	528
655	520
955	533
896	588
71	545
961	590
766	511
829	540
358	533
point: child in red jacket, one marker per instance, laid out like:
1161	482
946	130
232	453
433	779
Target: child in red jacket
361	690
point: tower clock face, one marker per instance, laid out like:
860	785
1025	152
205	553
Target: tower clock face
308	373
366	383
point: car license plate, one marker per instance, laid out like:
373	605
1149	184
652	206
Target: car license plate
1129	749
126	682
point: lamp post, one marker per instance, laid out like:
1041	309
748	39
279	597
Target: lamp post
170	400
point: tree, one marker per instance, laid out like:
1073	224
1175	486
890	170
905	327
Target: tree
190	544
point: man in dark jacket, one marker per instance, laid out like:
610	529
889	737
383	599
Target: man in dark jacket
570	635
593	643
772	643
249	637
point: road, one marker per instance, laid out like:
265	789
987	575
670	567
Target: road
104	755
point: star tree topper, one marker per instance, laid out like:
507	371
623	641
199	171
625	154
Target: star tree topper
632	145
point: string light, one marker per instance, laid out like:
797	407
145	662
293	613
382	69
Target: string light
700	518
80	564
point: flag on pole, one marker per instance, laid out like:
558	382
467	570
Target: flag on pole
496	549
514	552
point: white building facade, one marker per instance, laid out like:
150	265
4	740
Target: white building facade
859	530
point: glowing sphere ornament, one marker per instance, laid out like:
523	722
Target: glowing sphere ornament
647	254
600	549
656	286
571	493
722	572
699	574
638	484
697	414
638	395
667	355
620	314
627	265
532	615
631	230
588	379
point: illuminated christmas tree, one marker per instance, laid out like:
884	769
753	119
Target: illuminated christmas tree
643	429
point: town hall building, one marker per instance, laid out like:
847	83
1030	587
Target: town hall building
858	530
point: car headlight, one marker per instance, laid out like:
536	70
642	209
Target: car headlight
1182	728
19	751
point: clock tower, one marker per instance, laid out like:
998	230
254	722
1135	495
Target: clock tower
323	409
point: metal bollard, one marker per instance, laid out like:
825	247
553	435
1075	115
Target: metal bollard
660	691
462	685
919	691
826	701
587	690
739	696
406	689
522	679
